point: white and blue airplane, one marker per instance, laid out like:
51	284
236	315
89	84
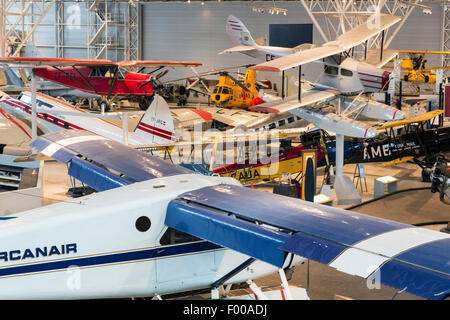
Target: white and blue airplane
155	228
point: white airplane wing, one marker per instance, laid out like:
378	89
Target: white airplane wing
344	42
307	98
268	227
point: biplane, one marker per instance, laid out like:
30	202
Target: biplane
401	141
414	69
102	77
154	228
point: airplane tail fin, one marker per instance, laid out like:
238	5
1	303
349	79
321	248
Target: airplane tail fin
12	79
238	32
157	124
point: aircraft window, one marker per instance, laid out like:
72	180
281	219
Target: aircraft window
298	118
172	236
55	120
216	90
272	126
99	72
291	119
281	123
346	72
25	99
225	91
45	116
331	70
66	125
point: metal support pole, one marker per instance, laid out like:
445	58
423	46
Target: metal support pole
125	128
33	107
299	83
339	155
382	44
282	84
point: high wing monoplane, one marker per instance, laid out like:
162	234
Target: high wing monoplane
165	229
101	77
342	77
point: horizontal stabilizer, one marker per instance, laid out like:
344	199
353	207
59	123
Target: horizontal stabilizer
270	226
240	48
97	160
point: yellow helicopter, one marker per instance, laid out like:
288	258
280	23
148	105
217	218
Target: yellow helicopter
413	66
230	92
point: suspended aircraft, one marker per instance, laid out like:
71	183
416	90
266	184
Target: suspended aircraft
166	230
343	78
232	93
414	69
101	77
396	142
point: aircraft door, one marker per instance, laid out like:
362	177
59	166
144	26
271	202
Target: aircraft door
183	262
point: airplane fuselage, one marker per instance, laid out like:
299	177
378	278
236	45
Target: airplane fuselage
22	108
105	245
99	80
345	75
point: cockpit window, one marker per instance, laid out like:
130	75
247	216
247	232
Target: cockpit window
332	70
225	91
173	236
346	73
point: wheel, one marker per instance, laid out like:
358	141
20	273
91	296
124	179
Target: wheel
426	175
104	105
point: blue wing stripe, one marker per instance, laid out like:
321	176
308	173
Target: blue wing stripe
417	280
242	236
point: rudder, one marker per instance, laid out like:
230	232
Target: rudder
238	32
157	124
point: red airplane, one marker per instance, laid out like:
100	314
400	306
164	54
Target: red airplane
101	77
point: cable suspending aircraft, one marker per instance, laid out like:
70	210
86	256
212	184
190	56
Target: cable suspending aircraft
343	77
165	229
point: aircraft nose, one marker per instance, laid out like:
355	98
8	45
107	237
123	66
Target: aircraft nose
385	80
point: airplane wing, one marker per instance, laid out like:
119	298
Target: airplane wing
344	42
307	98
12	130
270	226
61	62
157	64
100	168
420	118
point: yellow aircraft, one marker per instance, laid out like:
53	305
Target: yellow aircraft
413	66
231	93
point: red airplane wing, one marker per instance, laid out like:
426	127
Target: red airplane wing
157	64
61	62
